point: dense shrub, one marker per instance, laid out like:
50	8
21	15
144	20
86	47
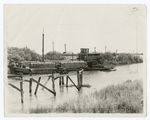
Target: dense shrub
25	54
22	54
54	56
122	58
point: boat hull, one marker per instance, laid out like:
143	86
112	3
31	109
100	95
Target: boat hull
99	68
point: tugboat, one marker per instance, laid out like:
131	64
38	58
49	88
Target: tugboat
37	67
91	60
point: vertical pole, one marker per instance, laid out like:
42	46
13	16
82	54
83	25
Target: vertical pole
53	45
72	56
43	46
79	56
66	81
116	54
37	86
65	48
95	49
30	72
81	79
78	79
30	86
53	82
21	90
105	49
59	80
62	80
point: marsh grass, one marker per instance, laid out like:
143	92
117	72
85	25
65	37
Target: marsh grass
123	98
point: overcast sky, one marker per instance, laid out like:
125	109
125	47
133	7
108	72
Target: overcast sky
119	27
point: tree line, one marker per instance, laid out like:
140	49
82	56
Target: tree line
115	59
25	54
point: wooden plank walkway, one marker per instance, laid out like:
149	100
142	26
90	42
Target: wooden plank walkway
14	75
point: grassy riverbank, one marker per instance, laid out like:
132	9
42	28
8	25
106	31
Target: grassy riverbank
123	98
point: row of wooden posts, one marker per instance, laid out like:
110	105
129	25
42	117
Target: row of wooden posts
61	83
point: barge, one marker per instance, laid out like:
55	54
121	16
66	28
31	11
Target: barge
87	61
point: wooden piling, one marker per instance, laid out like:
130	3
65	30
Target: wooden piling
62	80
67	81
59	80
53	84
78	78
37	85
30	86
30	72
21	91
81	79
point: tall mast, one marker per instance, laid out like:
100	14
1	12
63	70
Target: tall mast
65	48
95	49
53	45
43	46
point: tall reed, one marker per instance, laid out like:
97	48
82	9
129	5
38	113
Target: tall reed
123	98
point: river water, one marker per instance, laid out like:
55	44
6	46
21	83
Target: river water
96	79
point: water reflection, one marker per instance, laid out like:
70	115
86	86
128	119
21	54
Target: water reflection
96	79
61	90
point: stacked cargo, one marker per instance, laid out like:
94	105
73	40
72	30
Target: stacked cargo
73	64
33	67
42	67
25	64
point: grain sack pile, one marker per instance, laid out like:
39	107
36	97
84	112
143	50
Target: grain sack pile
42	65
27	63
73	64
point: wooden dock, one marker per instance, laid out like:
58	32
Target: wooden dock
14	75
51	77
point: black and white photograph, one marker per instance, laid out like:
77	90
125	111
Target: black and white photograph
75	60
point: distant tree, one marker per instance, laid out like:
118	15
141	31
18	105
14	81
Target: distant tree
108	55
131	58
114	54
122	57
53	56
21	54
137	59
